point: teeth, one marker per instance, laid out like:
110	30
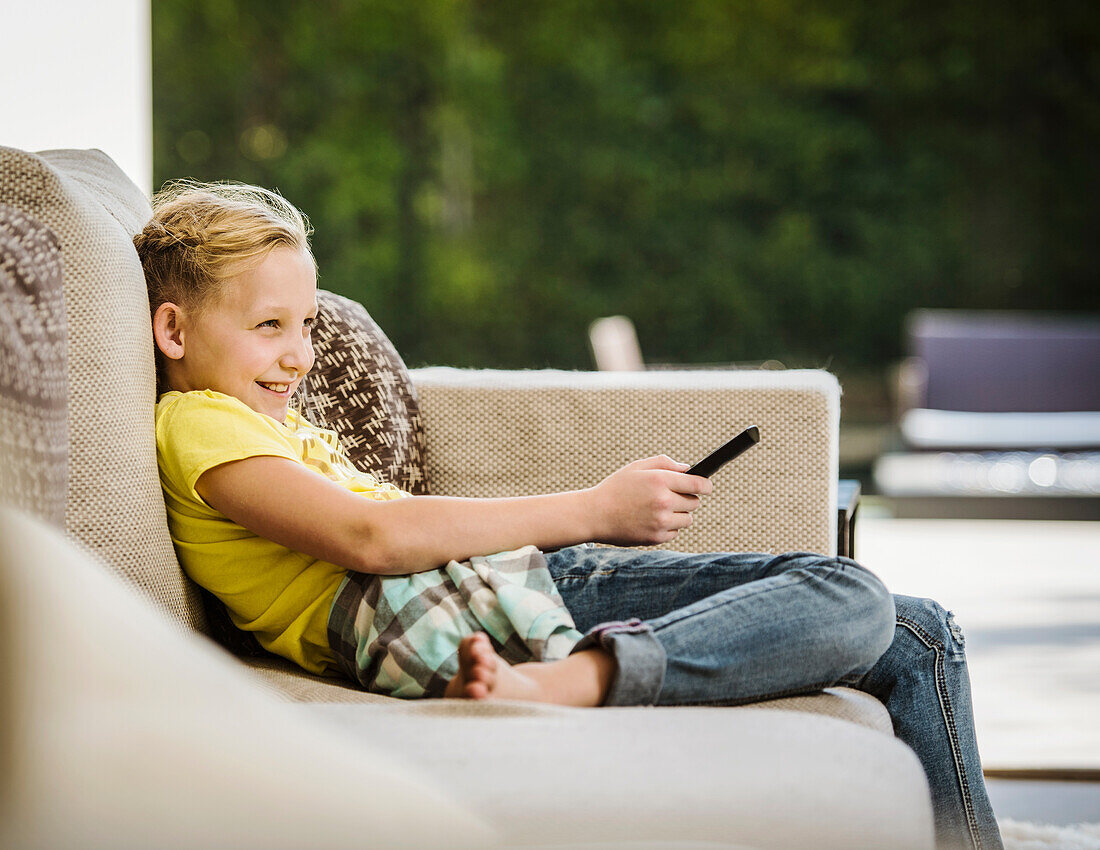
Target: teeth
279	388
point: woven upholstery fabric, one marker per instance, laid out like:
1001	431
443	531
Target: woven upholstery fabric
641	777
498	433
359	387
292	685
842	703
34	439
114	502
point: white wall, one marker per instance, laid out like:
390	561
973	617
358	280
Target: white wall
77	74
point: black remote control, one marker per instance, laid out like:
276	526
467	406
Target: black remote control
723	455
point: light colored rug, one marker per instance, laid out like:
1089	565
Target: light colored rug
1018	835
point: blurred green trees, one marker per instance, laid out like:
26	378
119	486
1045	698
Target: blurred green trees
746	179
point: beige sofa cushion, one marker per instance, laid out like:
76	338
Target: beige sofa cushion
287	682
34	437
120	732
114	503
662	778
496	433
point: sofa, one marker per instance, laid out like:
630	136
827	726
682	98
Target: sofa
133	716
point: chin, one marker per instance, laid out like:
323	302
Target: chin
268	410
268	406
278	414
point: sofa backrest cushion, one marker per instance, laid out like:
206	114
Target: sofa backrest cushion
34	391
493	433
114	504
360	388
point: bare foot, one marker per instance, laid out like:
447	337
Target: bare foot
482	674
477	669
580	679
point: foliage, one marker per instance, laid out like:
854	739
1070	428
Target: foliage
746	179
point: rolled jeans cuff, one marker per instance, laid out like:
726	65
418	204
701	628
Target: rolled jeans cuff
639	660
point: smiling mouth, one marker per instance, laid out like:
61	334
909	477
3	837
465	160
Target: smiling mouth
278	389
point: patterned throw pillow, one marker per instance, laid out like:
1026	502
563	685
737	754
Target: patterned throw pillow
360	388
34	389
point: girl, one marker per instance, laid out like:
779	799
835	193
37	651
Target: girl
342	573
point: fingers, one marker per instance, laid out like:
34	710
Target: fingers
685	504
660	462
693	485
679	521
678	483
667	523
668	534
651	500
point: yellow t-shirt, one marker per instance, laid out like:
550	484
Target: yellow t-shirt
281	595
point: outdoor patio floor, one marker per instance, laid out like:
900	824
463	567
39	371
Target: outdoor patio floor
1027	595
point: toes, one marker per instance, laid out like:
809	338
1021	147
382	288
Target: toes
485	674
482	673
484	668
479	643
467	648
482	652
477	666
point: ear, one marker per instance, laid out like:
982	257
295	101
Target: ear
168	323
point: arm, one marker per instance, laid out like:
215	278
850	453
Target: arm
645	502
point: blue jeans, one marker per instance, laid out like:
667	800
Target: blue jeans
733	628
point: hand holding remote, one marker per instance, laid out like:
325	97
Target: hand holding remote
646	502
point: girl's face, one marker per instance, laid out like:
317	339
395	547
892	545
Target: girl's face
252	341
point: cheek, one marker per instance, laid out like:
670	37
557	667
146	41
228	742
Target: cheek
251	362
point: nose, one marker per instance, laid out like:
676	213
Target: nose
299	354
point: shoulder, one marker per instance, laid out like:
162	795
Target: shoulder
199	402
202	410
197	431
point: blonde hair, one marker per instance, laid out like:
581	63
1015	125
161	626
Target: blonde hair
203	234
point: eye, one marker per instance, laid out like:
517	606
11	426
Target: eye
270	323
